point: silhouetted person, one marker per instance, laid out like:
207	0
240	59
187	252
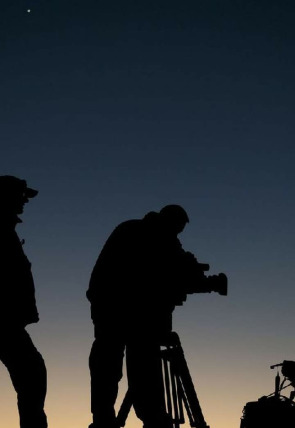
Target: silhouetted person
135	284
18	308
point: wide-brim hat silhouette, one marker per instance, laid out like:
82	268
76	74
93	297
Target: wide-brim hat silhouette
13	185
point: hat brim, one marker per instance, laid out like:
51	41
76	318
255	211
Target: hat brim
31	193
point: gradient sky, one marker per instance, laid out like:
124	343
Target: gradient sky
115	108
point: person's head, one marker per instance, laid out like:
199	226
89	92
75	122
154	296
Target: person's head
14	194
174	217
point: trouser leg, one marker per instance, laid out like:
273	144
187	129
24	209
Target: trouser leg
28	374
145	379
105	364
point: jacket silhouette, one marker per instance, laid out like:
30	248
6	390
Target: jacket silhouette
134	287
16	278
18	308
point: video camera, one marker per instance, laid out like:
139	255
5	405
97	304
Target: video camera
198	282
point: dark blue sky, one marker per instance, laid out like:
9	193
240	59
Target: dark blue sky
115	108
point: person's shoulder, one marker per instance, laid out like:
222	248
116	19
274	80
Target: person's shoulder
126	227
128	224
124	233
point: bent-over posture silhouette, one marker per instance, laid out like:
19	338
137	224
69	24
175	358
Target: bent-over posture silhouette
18	308
135	284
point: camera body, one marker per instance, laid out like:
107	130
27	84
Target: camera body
195	280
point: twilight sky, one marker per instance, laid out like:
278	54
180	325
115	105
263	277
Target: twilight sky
115	108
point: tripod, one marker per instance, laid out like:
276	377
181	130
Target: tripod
179	388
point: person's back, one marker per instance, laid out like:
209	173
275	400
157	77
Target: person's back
111	284
136	274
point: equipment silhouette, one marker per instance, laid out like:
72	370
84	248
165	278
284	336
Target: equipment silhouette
274	410
179	389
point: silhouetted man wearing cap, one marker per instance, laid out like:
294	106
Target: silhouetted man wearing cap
133	289
18	308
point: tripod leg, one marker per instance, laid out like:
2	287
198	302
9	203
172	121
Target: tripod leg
187	390
186	405
173	389
190	393
124	409
175	397
167	383
180	401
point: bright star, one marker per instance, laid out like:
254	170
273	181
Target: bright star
29	10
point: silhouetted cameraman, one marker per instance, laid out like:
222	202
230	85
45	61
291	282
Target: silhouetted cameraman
135	284
18	308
